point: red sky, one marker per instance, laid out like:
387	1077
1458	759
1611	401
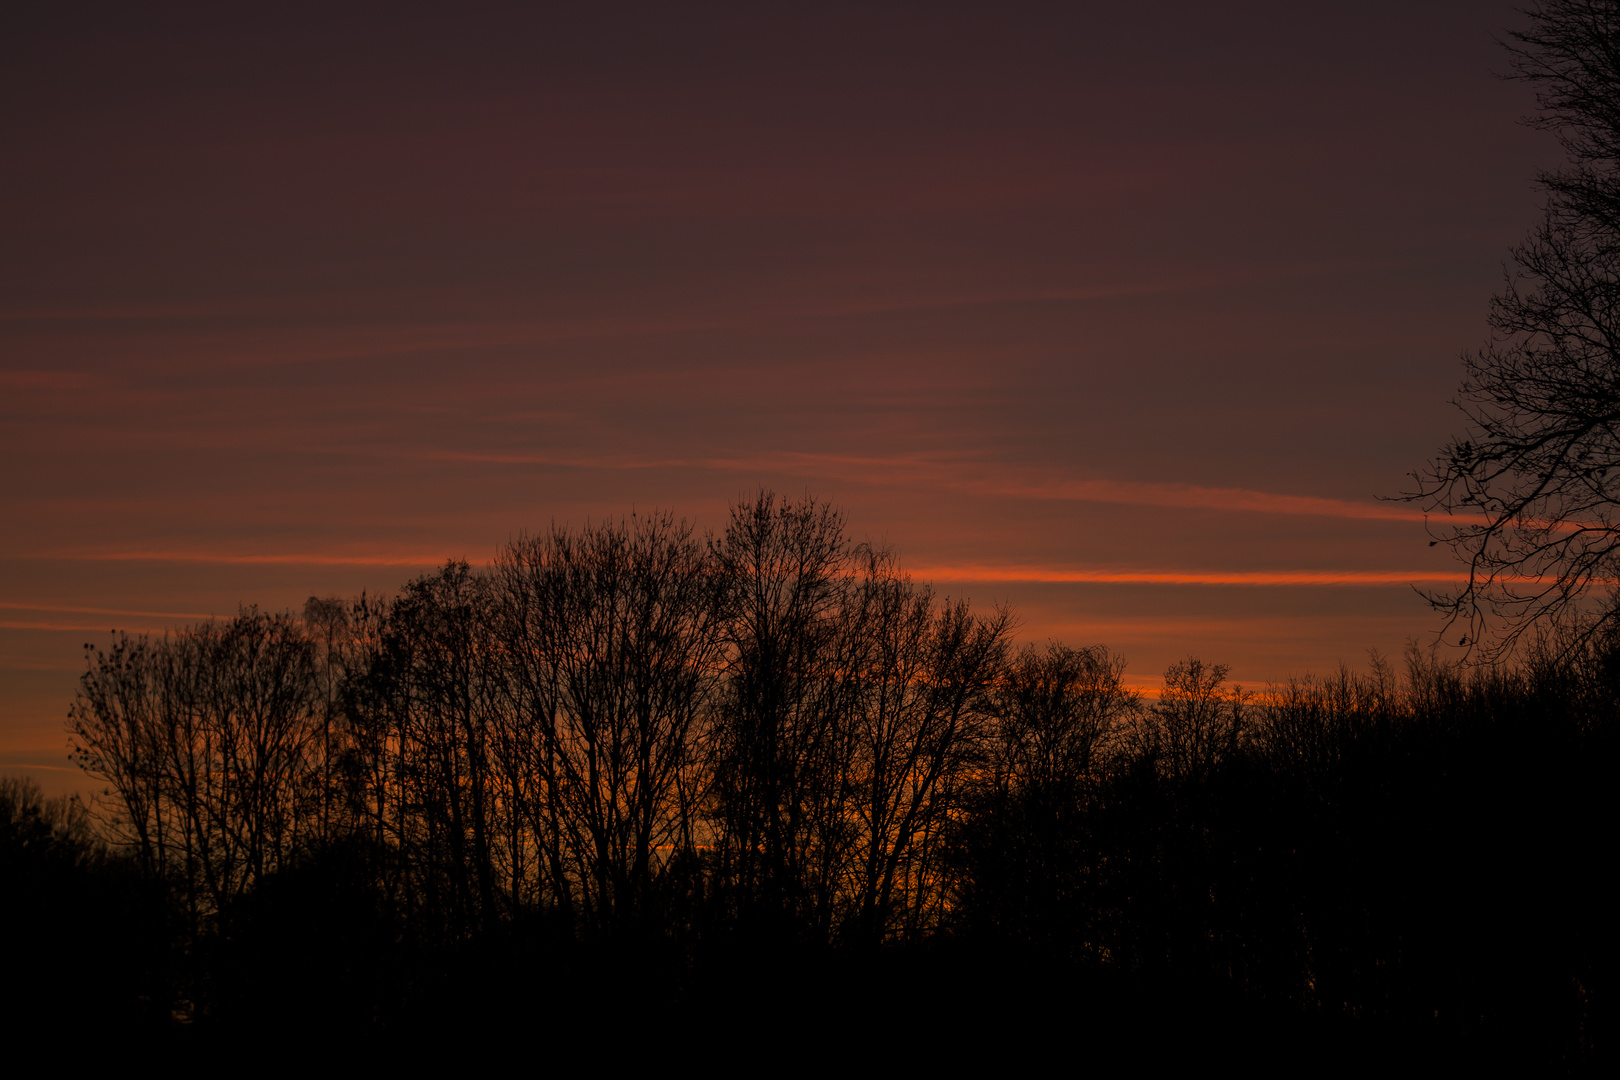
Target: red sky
1125	317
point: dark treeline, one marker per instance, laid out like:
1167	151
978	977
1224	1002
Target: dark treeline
627	777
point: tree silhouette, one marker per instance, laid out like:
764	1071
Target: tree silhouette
614	635
1532	489
766	777
778	782
209	739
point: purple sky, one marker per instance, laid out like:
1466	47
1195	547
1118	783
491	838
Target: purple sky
1123	317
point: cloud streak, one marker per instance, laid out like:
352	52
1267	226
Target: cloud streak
1195	497
963	572
66	609
315	558
1101	576
23	624
977	479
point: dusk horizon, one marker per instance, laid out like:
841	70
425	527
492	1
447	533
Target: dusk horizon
1057	305
1075	530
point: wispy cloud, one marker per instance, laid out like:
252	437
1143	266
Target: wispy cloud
481	331
975	478
1026	483
48	380
1110	576
267	330
310	558
71	610
28	624
959	572
42	768
1193	496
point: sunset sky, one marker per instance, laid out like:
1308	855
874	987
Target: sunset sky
1124	316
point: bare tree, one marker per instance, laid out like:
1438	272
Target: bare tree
779	747
1059	708
615	634
208	740
427	717
1198	721
854	710
328	625
1531	489
918	727
113	736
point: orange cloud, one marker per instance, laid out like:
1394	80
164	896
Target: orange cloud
966	572
70	610
980	479
23	624
1192	496
300	559
1055	575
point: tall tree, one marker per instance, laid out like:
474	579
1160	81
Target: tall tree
1531	490
778	792
614	632
209	741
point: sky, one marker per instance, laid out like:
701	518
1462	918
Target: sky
1130	317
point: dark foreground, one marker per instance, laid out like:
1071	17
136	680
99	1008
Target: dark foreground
1368	871
630	791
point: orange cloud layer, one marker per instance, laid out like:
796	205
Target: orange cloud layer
298	559
94	628
1181	577
68	609
979	479
969	572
